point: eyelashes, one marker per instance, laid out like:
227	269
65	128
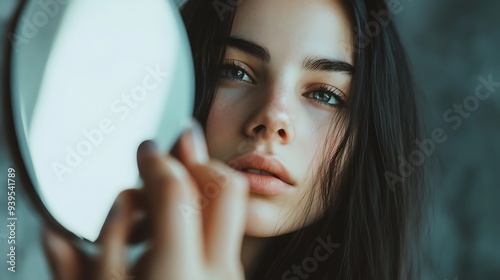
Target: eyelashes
327	95
323	94
235	71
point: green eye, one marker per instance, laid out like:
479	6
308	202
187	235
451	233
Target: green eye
235	73
327	95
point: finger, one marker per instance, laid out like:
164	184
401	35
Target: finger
172	204
141	228
140	223
191	147
223	209
225	212
114	236
65	260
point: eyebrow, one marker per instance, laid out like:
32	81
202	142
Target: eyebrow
310	63
328	65
250	48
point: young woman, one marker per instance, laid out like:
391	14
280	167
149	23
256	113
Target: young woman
308	112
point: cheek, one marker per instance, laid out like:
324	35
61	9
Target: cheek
312	143
220	129
312	155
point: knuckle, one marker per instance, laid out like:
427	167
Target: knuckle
238	184
163	180
170	178
229	179
169	171
222	180
211	189
174	169
219	173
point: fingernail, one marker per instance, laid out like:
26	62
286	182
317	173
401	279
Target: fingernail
148	146
199	142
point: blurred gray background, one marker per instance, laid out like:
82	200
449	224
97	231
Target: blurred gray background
450	44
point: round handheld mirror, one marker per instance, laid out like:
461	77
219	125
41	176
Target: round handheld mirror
91	80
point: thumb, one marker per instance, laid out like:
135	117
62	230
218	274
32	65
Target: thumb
191	148
65	260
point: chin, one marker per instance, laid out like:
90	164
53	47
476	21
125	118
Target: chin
265	219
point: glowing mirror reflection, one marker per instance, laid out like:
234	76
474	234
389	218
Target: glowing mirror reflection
91	80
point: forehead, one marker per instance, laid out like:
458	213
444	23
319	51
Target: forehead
296	28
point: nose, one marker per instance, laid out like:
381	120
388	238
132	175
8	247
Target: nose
271	119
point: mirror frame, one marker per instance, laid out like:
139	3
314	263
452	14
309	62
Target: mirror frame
12	140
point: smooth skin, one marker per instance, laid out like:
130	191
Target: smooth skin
278	107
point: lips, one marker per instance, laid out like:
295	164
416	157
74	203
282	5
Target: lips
258	172
266	175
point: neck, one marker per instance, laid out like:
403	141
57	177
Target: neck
251	248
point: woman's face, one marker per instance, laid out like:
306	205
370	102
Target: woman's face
286	73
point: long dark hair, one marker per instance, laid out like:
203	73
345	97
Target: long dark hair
372	206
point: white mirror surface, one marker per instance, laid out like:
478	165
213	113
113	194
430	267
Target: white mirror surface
91	80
